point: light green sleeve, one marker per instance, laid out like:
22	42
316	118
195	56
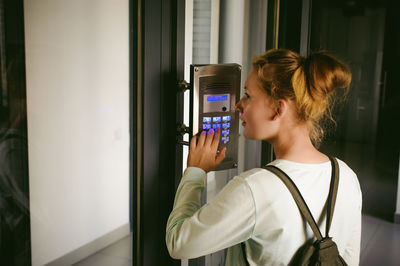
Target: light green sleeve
194	231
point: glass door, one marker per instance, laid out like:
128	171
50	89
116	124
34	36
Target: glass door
365	135
15	234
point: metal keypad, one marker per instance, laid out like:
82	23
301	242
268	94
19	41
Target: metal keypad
215	89
215	122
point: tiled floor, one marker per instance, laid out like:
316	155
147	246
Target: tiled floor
380	242
117	254
380	245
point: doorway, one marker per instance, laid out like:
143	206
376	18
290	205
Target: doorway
363	35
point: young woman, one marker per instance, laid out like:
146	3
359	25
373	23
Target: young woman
286	98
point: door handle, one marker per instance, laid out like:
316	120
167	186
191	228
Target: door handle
182	129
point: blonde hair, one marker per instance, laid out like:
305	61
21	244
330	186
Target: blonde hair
311	82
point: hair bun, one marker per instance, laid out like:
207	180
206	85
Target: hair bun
314	85
326	73
315	82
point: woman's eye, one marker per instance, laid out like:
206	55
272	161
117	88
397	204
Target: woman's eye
246	95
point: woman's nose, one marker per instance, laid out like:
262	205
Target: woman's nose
238	106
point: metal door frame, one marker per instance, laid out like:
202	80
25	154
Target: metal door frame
157	64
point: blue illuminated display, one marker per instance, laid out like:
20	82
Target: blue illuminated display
206	126
226	132
226	118
215	126
225	139
216	119
226	125
207	120
215	98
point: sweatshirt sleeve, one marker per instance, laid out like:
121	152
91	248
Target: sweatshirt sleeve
228	219
352	251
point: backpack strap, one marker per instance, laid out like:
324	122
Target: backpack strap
301	202
332	194
243	246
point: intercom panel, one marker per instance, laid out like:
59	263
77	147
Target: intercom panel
215	91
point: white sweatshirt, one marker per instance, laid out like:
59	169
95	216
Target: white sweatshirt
257	207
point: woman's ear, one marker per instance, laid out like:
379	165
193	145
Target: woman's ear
280	109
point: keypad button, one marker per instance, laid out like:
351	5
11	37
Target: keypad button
206	126
207	120
226	118
226	132
225	139
215	126
226	125
217	119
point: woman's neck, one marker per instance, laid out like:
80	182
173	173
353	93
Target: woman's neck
294	144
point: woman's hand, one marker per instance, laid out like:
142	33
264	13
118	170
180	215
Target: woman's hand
203	151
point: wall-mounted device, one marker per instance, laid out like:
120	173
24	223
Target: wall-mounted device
215	89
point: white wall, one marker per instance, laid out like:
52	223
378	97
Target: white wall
77	63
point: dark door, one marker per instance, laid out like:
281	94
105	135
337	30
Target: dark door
363	34
15	248
158	166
